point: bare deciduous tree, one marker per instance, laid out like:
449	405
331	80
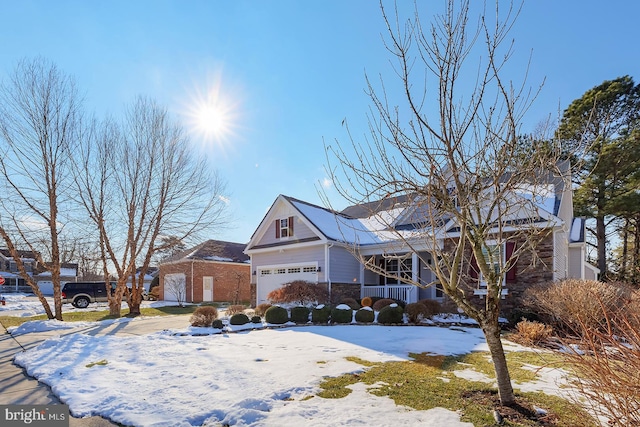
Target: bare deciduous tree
453	148
39	118
140	181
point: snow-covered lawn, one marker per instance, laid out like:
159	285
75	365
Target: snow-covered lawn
264	377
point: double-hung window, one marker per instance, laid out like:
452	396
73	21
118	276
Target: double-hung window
284	227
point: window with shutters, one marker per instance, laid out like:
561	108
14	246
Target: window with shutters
284	227
496	256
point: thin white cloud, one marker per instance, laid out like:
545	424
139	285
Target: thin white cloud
224	199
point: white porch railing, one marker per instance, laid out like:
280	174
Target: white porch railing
406	293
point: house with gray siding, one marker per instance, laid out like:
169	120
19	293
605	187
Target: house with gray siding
297	240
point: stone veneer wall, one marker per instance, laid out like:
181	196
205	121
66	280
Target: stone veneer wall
531	269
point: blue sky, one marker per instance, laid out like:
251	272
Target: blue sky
286	73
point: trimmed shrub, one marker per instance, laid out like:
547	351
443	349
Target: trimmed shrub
256	319
217	324
300	314
416	312
234	309
341	315
203	316
300	292
433	307
239	319
351	302
365	315
391	314
261	309
276	315
529	333
366	302
321	314
383	302
401	303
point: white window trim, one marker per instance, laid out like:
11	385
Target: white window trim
481	290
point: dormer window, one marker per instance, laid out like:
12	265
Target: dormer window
284	227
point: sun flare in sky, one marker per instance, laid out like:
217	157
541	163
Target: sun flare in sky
213	113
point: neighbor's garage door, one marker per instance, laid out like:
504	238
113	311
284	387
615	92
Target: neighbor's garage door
273	278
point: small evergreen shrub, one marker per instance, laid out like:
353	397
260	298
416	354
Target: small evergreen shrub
351	303
217	324
365	315
300	314
433	307
383	302
321	314
256	319
342	314
366	302
203	316
261	309
239	319
416	312
234	309
391	314
276	315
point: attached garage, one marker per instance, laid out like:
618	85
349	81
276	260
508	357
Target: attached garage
273	277
175	287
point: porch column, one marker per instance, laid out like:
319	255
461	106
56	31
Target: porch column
415	276
361	281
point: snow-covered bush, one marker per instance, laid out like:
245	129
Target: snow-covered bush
300	314
204	316
391	314
351	302
239	319
342	314
276	315
321	314
365	315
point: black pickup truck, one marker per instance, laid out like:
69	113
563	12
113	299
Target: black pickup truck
81	294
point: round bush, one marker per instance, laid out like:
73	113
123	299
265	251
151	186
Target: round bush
320	314
366	302
256	319
416	312
351	303
340	315
239	319
203	316
391	314
217	324
365	315
381	303
300	314
433	307
276	315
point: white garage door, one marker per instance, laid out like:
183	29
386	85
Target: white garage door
175	287
270	278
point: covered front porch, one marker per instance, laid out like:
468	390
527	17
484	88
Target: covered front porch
412	266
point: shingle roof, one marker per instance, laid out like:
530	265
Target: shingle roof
213	250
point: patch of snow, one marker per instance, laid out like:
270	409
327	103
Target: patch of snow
343	307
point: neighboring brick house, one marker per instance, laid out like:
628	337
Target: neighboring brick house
214	271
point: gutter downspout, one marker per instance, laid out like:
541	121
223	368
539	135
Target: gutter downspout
192	261
327	270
